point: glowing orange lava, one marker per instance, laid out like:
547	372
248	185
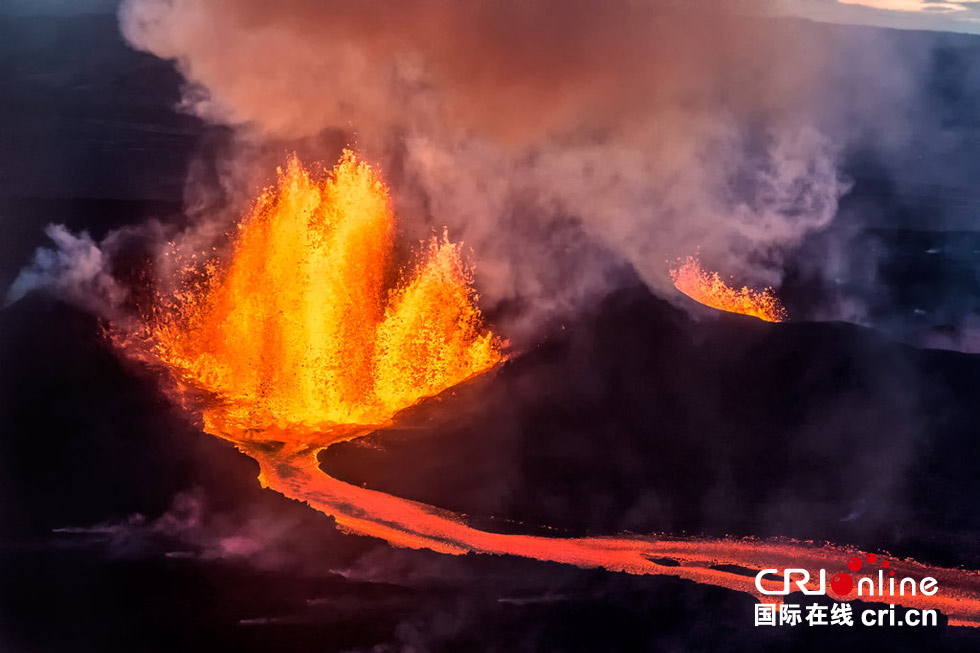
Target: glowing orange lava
303	328
710	289
728	563
302	340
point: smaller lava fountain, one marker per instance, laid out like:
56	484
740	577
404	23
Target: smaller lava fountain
710	289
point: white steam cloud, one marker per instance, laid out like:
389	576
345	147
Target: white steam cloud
76	268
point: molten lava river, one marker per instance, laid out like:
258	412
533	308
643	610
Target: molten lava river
306	335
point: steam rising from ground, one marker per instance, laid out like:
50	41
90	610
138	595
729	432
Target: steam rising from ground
649	129
76	268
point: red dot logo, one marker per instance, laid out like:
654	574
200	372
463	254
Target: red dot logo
871	558
854	564
842	584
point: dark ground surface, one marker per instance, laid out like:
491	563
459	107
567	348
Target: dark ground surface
125	528
667	426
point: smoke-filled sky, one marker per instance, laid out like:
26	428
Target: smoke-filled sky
945	15
655	129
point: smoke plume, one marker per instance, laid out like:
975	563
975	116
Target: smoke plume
76	269
546	134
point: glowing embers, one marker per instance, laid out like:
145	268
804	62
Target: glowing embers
710	289
304	325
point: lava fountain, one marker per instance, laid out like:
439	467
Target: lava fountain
308	335
710	289
306	328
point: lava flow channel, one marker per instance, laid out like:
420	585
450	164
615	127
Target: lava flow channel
307	337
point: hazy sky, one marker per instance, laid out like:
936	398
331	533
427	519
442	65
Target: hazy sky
946	15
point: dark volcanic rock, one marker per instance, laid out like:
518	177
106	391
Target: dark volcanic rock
637	418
